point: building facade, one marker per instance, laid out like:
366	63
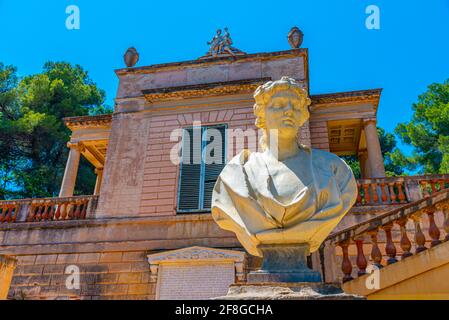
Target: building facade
146	231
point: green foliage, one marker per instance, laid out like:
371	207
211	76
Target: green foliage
428	131
33	136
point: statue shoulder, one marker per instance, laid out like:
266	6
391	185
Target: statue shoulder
241	159
325	159
322	154
233	174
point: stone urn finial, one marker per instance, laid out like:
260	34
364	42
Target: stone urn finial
131	57
295	37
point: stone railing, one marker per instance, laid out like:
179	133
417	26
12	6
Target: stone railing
47	209
399	190
408	219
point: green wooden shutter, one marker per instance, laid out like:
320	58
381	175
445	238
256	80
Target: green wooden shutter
190	173
213	170
197	178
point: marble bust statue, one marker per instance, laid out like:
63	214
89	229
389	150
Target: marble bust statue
283	202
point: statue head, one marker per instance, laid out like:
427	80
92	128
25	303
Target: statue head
281	105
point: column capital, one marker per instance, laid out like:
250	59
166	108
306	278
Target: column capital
366	121
76	146
98	170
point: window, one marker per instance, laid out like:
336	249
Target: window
203	159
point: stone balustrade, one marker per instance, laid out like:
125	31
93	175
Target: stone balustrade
406	221
399	190
47	209
372	192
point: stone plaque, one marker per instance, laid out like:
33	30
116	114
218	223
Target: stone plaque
195	273
192	281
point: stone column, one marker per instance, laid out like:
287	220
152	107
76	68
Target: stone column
99	173
375	158
364	164
7	266
71	170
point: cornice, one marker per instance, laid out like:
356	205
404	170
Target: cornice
371	95
88	121
204	90
212	61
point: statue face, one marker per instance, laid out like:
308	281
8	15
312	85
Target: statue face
284	112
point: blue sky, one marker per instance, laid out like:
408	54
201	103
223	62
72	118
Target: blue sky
410	51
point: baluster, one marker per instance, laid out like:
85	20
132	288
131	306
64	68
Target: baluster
425	192
63	210
4	213
392	193
390	249
441	182
434	232
45	213
16	211
84	212
406	244
38	215
446	222
70	210
401	195
58	211
346	265
420	238
359	194
51	214
366	193
433	185
77	213
361	259
383	193
9	213
375	195
376	255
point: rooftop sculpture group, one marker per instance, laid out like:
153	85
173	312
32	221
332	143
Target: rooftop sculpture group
221	45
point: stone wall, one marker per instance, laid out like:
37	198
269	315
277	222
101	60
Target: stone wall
319	135
107	275
122	177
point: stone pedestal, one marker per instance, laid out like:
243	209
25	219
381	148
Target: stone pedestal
284	275
284	263
287	291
